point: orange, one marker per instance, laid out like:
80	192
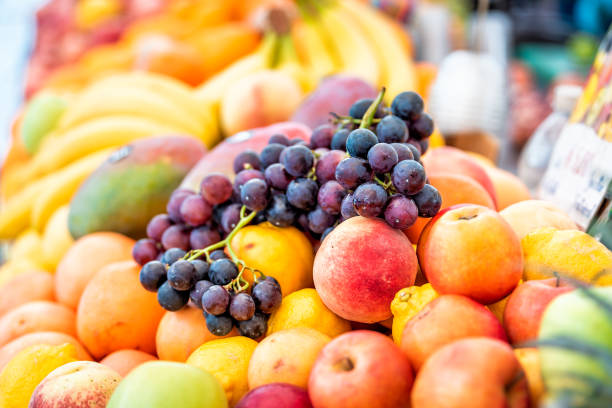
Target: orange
509	189
116	312
25	287
180	333
37	316
124	361
84	258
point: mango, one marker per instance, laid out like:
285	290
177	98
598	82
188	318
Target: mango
132	186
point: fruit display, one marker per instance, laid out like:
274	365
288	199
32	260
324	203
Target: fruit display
246	204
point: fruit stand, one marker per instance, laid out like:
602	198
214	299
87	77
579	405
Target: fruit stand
308	204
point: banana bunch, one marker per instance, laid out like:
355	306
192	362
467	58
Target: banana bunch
107	114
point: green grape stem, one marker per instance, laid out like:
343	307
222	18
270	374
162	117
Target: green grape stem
238	284
368	117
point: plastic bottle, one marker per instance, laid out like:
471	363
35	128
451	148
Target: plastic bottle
538	150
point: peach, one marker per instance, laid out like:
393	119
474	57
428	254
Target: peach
527	216
454	189
360	369
470	250
37	316
509	189
452	160
116	312
180	333
84	258
259	99
25	287
444	320
360	266
9	350
474	372
526	305
124	361
76	384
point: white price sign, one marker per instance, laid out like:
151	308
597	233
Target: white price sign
578	174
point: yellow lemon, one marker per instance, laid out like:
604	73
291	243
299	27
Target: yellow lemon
304	308
56	239
28	368
228	361
406	304
283	253
28	245
569	253
436	139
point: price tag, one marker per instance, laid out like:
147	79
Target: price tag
578	174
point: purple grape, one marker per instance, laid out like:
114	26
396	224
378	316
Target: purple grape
297	141
302	193
277	177
407	105
145	250
253	328
422	127
201	269
247	159
319	220
271	154
369	199
203	236
222	271
352	172
254	194
403	151
330	197
325	169
230	217
408	177
215	300
198	290
392	129
401	212
218	254
157	226
244	176
359	142
428	201
152	275
170	298
280	213
322	136
338	141
242	307
176	236
326	233
216	188
382	157
267	296
219	325
172	255
195	210
173	207
298	160
280	139
182	275
424	145
348	209
415	148
360	107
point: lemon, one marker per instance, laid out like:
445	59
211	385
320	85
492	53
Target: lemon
28	368
56	239
305	308
28	245
228	361
570	253
499	307
406	304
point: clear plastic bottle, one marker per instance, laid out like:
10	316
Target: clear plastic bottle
538	150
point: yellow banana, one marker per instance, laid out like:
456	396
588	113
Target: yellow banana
15	213
351	45
397	70
97	134
313	50
102	100
62	186
289	62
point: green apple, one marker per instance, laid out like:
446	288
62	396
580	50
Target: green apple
576	343
40	117
162	384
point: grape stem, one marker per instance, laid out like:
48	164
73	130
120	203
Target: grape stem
368	117
238	284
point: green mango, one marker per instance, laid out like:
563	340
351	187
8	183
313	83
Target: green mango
164	384
40	117
132	186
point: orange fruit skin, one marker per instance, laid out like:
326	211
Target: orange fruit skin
124	361
116	312
20	290
84	258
